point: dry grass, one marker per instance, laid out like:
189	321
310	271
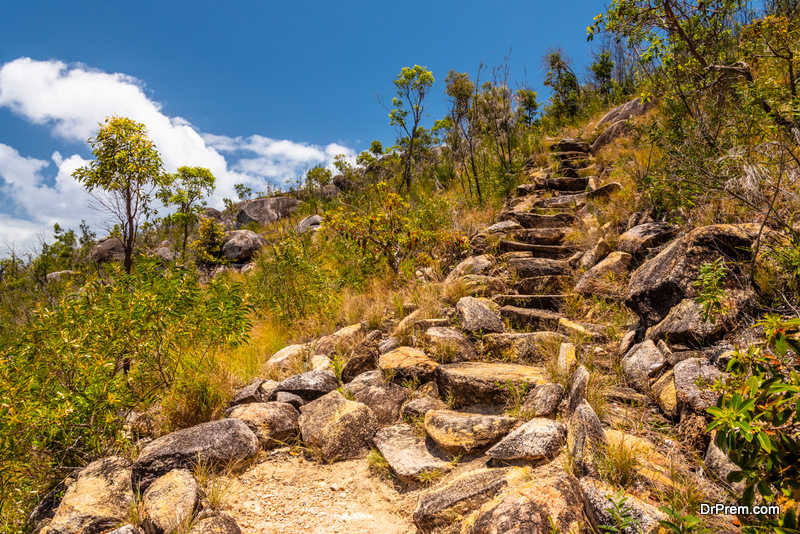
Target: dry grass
617	463
378	464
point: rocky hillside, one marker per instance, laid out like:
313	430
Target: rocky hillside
526	407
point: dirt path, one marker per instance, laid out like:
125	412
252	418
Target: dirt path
289	494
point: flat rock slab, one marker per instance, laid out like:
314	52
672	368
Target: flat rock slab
309	386
538	438
385	401
474	316
543	400
217	443
449	344
642	362
532	318
535	220
538	285
685	323
584	435
666	396
338	428
420	406
553	252
408	454
600	279
543	302
476	382
483	286
483	264
271	422
548	500
539	236
526	347
465	433
169	502
525	265
409	363
567	184
570	144
451	500
563	201
693	380
640	238
97	500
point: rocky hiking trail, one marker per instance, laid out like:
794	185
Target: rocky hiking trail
439	413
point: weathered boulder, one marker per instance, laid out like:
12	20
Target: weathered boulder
538	438
217	443
640	238
476	382
465	433
108	249
287	358
408	454
535	220
543	400
685	323
643	362
482	265
312	223
97	500
363	358
598	279
475	316
271	422
567	360
476	285
597	493
240	246
60	276
285	397
310	385
259	390
666	396
449	344
452	499
532	318
584	436
530	347
615	131
385	401
388	345
577	392
626	111
570	145
693	381
265	210
580	330
215	524
338	428
719	466
343	339
365	380
549	500
539	236
543	285
668	278
525	265
169	502
408	363
420	406
595	255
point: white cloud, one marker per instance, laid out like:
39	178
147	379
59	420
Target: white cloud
71	100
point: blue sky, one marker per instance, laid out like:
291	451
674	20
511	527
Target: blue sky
256	91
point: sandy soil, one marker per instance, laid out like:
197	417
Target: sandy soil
286	493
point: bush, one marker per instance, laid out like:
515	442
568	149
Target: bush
208	248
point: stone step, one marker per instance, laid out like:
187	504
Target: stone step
478	382
570	145
576	164
525	265
539	236
570	173
535	220
563	201
534	318
570	155
567	184
540	285
553	252
543	302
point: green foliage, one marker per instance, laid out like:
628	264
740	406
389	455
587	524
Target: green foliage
757	416
127	169
208	247
681	523
562	79
527	105
185	191
318	176
412	85
711	295
289	281
68	379
620	514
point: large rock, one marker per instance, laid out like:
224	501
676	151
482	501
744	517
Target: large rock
465	433
720	466
585	436
217	444
363	358
475	316
97	500
365	380
597	493
643	362
525	265
475	383
666	396
240	246
577	392
626	111
538	438
640	238
309	386
482	265
551	499
529	347
449	344
272	422
385	401
108	249
535	220
595	255
693	381
408	454
543	400
531	318
685	322
312	223
476	285
215	524
570	144
265	210
343	339
336	427
420	406
408	363
615	131
287	358
169	502
668	278
453	499
600	279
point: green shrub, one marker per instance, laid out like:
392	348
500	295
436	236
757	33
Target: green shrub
208	248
